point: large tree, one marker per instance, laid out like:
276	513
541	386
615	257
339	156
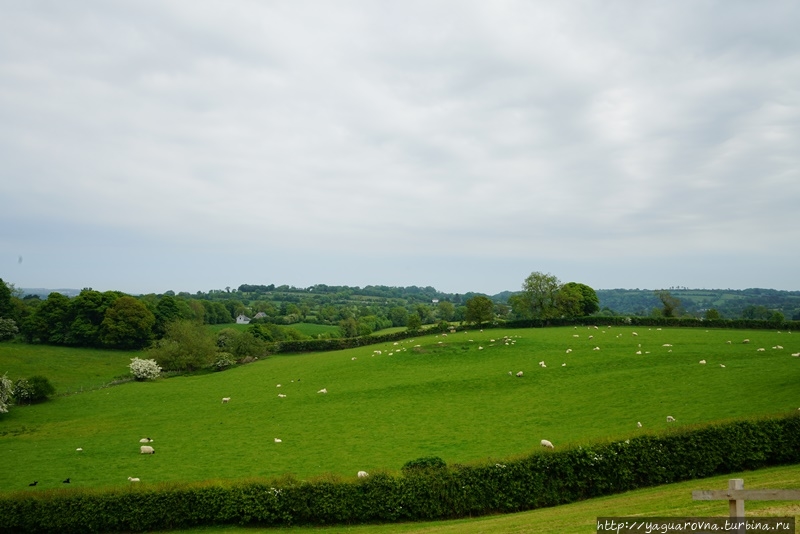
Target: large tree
6	308
186	346
538	299
127	324
589	303
480	309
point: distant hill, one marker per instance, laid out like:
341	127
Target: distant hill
43	292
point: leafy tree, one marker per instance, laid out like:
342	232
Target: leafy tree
399	316
446	310
569	301
538	299
166	311
590	303
776	317
414	322
86	315
186	346
712	314
480	309
671	305
348	327
50	322
128	324
6	308
755	312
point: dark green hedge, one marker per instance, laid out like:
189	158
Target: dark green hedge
542	479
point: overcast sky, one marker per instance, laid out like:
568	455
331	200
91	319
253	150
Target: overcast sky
191	145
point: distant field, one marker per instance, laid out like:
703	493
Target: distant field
68	369
308	329
449	396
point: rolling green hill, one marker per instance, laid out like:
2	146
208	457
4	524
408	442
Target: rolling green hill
448	396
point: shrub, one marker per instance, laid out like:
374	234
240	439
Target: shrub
425	463
34	389
6	392
8	329
223	361
144	369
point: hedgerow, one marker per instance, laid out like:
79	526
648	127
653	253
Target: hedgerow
431	491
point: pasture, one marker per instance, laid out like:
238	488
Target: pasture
448	396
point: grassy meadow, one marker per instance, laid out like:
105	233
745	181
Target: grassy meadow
448	396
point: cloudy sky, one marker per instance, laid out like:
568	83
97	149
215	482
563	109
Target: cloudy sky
193	145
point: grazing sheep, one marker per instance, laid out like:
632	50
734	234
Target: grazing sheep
79	449
569	350
278	440
670	419
596	348
638	352
519	374
563	365
277	386
796	354
281	395
547	444
363	474
722	365
145	440
634	334
703	362
666	345
132	479
760	349
745	341
66	481
728	342
323	390
226	400
639	424
147	449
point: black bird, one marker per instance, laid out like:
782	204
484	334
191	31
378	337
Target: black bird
33	483
65	481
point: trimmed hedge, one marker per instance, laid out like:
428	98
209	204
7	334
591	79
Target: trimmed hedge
542	479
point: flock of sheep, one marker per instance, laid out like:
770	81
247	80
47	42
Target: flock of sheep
507	340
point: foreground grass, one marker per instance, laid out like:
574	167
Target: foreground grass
448	396
673	500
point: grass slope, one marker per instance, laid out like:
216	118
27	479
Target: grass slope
437	395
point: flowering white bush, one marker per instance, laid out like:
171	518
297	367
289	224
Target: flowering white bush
144	369
223	361
6	386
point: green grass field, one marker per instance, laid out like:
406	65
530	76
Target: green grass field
449	396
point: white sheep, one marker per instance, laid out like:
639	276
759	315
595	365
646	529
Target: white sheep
745	341
278	440
132	479
323	390
722	365
634	334
519	374
596	348
666	345
147	449
277	386
761	349
639	424
79	449
547	444
703	362
670	419
281	396
145	440
363	474
796	354
226	400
